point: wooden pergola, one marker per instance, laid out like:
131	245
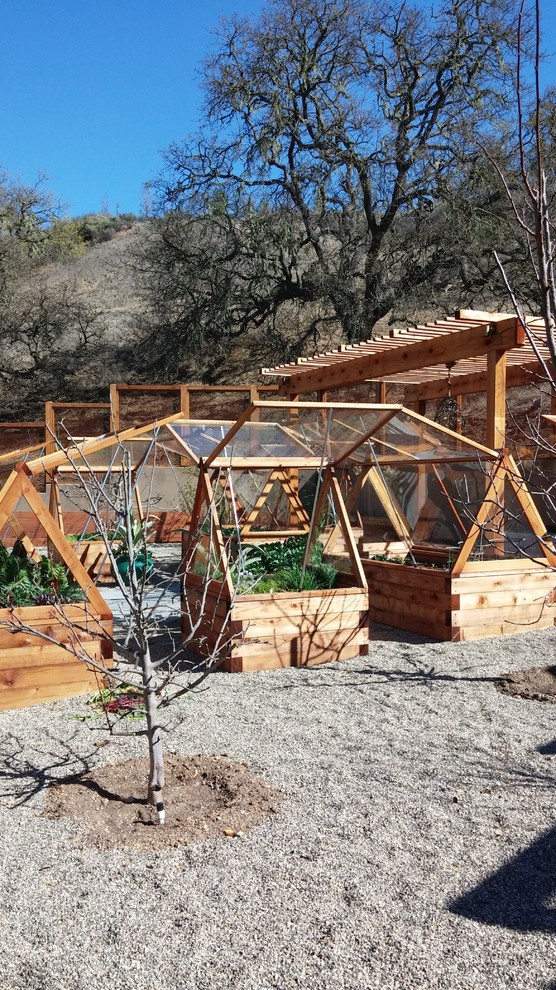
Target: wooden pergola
470	352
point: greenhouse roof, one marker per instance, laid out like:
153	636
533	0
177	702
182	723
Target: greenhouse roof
291	434
308	434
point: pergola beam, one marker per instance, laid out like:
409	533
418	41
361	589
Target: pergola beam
467	343
516	376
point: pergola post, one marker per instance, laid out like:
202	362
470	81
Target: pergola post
416	404
496	399
114	407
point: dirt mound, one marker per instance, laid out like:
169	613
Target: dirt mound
205	797
535	684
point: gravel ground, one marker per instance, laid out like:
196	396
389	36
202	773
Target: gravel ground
415	846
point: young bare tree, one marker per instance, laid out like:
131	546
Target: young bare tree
151	656
531	192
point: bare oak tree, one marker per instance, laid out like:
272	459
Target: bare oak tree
336	134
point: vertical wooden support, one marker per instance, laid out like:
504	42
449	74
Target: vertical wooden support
254	397
55	505
49	433
184	409
49	428
114	408
380	392
496	399
459	414
184	401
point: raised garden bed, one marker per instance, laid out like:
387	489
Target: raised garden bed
48	596
491	598
33	670
92	554
273	630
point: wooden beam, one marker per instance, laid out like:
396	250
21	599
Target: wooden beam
231	433
16	425
150	388
80	405
470	342
347	531
49	428
516	377
427	423
266	462
51	461
9	495
66	551
184	401
16	455
482	314
115	407
496	399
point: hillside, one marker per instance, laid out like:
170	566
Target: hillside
105	283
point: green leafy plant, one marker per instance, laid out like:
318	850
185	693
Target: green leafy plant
87	537
278	566
141	533
25	582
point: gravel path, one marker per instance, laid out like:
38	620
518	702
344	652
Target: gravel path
415	848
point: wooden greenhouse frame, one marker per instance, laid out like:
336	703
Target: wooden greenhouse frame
455	599
348	449
34	664
265	630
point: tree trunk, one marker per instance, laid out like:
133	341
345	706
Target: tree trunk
154	736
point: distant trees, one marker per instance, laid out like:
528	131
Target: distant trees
49	334
48	331
335	159
27	215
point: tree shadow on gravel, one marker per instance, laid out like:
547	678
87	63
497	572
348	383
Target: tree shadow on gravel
520	895
376	675
23	776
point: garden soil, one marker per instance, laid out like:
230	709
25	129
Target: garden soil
534	683
205	797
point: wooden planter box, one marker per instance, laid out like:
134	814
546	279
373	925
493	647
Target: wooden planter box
268	631
493	598
92	554
33	670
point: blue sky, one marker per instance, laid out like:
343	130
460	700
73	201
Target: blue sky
94	90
